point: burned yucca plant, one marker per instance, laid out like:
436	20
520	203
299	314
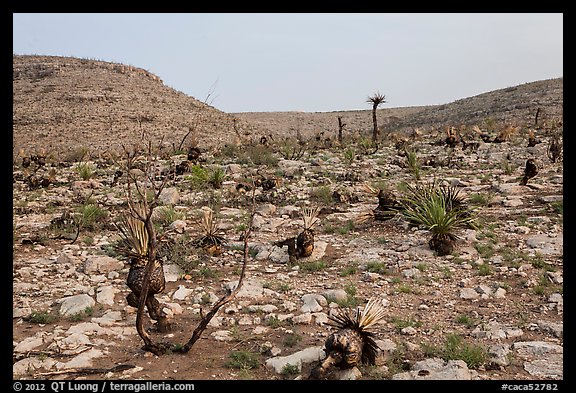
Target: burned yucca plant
302	246
555	147
305	239
387	205
210	241
134	246
441	210
353	343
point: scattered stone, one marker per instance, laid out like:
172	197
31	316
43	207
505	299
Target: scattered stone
335	295
545	244
437	369
73	305
543	359
83	360
222	335
105	295
27	366
556	329
182	293
172	272
109	318
499	354
468	294
313	303
495	331
308	355
303	319
30	343
179	226
101	264
169	196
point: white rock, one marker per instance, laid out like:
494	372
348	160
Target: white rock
468	293
105	295
308	355
182	293
101	264
260	330
30	343
109	318
73	305
82	360
303	319
27	366
222	335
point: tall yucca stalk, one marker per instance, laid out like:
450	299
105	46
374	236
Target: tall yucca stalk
376	100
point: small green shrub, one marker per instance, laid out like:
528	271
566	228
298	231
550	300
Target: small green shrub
321	194
198	177
481	199
312	266
401	323
166	215
376	267
291	339
243	360
466	320
412	163
41	317
80	316
348	271
85	170
273	322
290	370
348	227
349	156
484	269
455	348
92	216
217	177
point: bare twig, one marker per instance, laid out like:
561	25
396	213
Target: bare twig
228	297
88	370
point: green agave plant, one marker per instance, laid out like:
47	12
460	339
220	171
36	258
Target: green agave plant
441	210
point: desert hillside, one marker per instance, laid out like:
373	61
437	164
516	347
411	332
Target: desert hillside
62	104
515	105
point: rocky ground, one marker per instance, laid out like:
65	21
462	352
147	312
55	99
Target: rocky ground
491	310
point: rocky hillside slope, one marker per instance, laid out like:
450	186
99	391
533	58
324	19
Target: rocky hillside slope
515	105
63	103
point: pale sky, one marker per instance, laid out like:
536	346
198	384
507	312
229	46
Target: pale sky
259	62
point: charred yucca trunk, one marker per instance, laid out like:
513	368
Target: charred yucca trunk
353	343
443	245
194	154
305	239
451	138
386	204
530	171
135	245
302	245
305	243
386	209
157	284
